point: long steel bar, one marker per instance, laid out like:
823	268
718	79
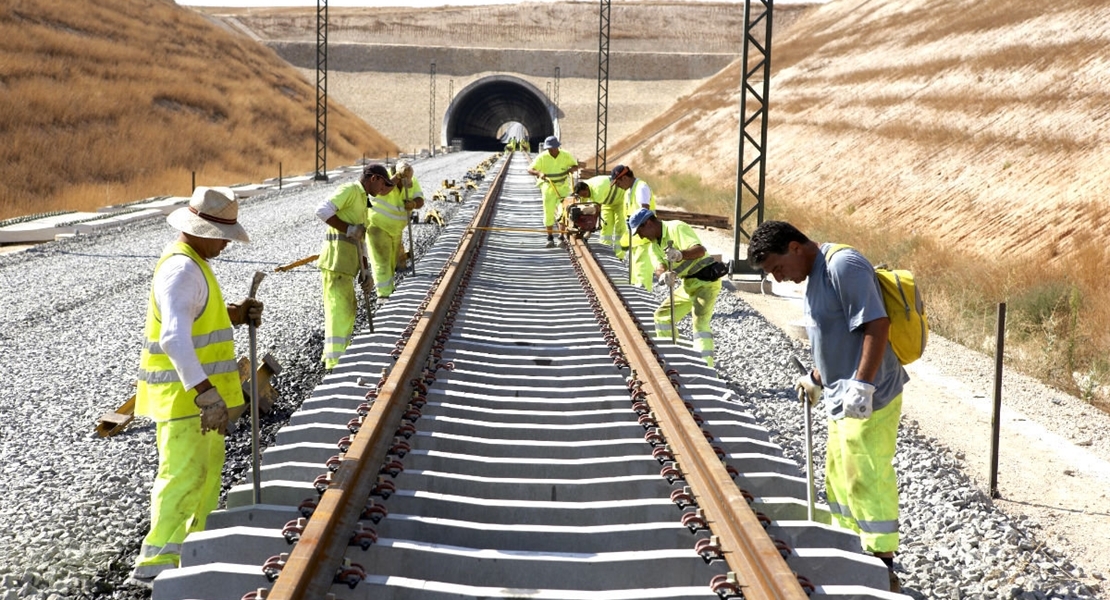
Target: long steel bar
760	569
311	567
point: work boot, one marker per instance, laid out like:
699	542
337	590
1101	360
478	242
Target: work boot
895	585
550	242
562	242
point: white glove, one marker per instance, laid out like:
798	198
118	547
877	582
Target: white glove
666	279
355	233
213	411
807	387
850	398
673	254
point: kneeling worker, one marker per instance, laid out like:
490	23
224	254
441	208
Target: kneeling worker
600	189
675	242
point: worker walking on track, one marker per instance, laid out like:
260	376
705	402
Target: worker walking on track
345	214
388	217
857	371
674	243
600	189
553	168
188	377
637	196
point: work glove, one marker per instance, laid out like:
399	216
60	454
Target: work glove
850	398
808	388
667	279
355	232
673	254
366	282
248	310
213	411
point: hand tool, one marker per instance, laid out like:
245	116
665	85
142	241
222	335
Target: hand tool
809	443
255	468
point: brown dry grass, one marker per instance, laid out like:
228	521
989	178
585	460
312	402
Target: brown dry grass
966	141
109	101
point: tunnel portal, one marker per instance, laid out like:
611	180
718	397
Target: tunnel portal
477	113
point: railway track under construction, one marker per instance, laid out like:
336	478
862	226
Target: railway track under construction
508	430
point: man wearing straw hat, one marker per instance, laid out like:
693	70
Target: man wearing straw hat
188	377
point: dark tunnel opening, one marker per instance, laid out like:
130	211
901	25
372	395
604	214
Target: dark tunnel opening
477	113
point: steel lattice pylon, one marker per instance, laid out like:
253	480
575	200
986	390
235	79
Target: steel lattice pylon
321	90
555	96
602	86
755	84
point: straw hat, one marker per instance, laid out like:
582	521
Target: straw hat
212	213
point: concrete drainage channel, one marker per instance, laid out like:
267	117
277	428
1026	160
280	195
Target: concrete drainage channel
528	474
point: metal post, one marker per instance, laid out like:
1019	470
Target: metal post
321	90
555	95
996	418
279	175
432	114
602	87
194	188
751	172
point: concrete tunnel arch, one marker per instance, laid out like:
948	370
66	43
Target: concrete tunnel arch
477	112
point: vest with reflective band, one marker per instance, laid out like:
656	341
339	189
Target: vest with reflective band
388	211
602	190
161	395
339	253
682	268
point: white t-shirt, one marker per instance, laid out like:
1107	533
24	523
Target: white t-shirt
181	293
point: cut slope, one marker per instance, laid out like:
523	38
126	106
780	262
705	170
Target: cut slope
982	124
107	101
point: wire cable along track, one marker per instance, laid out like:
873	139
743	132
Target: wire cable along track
509	431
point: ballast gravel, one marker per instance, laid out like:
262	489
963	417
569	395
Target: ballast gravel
77	505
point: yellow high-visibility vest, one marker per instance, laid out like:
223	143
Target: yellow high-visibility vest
161	394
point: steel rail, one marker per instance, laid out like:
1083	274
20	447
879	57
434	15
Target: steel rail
309	572
760	569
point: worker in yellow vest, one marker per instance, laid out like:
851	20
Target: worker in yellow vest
553	170
637	196
345	215
600	189
386	222
188	377
676	253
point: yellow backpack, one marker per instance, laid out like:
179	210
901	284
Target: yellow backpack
909	325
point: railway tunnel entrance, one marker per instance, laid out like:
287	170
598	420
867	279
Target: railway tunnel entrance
479	111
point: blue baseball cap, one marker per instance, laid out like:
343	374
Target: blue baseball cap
639	218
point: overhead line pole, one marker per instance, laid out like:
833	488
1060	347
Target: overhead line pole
321	90
432	114
602	86
751	168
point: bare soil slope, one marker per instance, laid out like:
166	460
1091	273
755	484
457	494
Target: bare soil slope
105	101
982	124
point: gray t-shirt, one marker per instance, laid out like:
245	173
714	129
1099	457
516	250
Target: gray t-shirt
840	298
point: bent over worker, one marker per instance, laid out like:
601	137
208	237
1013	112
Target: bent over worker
674	243
637	196
553	168
388	216
345	215
856	370
600	189
188	377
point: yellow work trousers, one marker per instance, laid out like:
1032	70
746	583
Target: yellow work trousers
186	489
859	476
551	198
612	225
697	296
383	248
642	272
339	315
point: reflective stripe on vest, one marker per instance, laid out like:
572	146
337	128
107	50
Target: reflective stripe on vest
161	394
389	211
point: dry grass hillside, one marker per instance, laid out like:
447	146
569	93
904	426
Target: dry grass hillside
965	139
109	101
